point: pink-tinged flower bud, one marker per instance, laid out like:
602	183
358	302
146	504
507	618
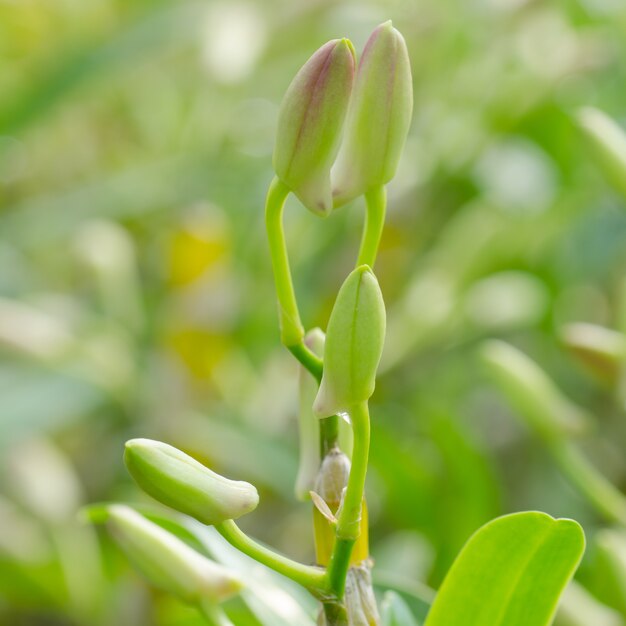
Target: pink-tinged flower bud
310	123
379	116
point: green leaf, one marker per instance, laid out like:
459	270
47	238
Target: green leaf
395	612
510	573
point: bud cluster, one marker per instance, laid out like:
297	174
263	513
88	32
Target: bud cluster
341	128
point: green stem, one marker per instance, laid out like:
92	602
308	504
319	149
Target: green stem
329	434
335	613
291	329
312	578
376	202
599	491
214	614
349	521
309	360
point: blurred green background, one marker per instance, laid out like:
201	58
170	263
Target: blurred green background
136	295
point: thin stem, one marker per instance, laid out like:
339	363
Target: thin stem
329	434
335	613
349	522
376	203
291	329
312	578
309	360
214	614
599	491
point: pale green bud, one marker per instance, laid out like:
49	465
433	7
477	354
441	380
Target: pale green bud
379	116
179	481
532	392
608	141
310	122
308	423
354	343
167	562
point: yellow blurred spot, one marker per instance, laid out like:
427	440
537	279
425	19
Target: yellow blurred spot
199	349
198	245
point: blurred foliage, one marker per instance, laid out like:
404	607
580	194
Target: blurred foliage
136	296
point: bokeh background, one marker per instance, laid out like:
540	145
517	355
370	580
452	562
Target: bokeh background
136	295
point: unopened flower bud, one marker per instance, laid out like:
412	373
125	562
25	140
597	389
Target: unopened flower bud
354	344
310	123
360	600
179	481
308	423
329	486
167	562
379	116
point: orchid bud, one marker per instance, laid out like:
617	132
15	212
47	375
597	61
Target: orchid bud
330	483
309	425
354	344
179	481
359	597
167	562
378	119
310	122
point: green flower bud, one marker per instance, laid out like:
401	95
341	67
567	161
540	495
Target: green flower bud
167	562
532	392
354	343
179	481
309	424
608	142
378	119
310	122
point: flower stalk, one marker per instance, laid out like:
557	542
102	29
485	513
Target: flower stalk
310	138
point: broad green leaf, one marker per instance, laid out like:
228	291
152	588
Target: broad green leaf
510	573
395	612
